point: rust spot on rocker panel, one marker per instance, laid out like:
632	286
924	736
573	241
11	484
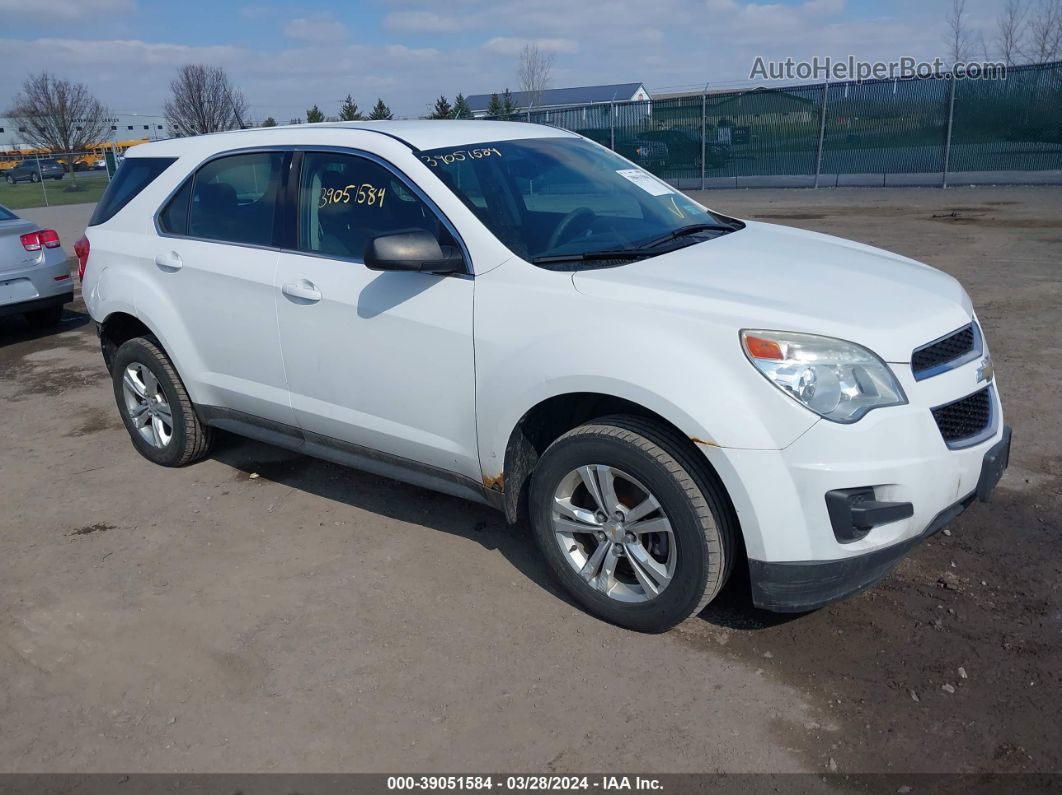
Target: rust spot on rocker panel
495	483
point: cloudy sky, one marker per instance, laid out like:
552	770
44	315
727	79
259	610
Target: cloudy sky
288	55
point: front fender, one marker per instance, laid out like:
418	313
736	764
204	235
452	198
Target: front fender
537	338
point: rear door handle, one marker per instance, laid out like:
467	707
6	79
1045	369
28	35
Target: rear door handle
303	289
171	261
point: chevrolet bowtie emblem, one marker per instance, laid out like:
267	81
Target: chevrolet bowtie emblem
985	371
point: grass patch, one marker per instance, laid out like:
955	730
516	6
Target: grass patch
30	194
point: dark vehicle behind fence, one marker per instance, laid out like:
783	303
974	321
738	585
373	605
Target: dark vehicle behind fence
35	170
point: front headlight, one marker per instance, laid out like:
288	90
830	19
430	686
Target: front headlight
838	380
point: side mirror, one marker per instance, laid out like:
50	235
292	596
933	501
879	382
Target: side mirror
415	250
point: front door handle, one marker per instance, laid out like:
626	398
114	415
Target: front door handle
170	262
303	289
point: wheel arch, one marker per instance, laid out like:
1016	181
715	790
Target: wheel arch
554	416
119	327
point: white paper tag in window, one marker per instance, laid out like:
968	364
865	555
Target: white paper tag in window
645	181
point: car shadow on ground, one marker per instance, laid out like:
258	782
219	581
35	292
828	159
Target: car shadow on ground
15	328
732	608
391	499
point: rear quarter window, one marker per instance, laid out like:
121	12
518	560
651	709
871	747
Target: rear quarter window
133	175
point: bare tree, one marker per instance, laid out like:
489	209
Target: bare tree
60	116
1045	32
204	101
1010	31
958	37
534	72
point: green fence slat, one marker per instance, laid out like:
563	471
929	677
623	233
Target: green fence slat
874	127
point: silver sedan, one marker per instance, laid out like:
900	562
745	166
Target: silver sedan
35	277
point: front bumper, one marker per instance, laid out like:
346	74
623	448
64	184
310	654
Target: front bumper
901	479
789	587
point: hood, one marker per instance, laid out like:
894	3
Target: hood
777	277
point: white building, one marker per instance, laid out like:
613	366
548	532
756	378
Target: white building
123	127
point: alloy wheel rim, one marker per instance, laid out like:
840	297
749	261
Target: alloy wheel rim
614	533
146	403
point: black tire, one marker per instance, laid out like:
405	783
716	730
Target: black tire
11	180
35	177
45	318
190	440
691	497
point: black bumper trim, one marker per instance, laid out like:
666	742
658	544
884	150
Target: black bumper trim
36	303
854	512
800	586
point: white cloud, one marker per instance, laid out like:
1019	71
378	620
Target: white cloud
508	45
63	9
424	22
316	28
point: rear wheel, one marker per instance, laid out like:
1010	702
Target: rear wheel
630	524
35	177
155	406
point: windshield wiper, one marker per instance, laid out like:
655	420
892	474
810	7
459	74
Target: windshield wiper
683	231
626	253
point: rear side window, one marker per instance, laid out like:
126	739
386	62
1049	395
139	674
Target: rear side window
7	215
173	219
135	174
232	199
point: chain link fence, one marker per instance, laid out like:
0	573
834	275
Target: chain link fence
35	179
879	132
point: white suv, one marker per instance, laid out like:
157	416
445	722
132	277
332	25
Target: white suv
515	315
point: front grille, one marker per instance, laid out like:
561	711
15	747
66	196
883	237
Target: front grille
964	418
945	350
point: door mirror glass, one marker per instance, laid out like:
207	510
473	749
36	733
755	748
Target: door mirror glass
412	250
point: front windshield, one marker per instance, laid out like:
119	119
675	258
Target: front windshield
549	198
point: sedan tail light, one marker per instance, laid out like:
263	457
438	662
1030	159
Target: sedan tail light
34	241
81	249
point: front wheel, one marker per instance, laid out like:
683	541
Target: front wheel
636	531
155	406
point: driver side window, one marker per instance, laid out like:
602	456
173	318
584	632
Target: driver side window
346	200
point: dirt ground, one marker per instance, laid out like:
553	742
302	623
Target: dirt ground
262	611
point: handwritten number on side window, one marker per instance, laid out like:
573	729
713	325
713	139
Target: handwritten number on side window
365	193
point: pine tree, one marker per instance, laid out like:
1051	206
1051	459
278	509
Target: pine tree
314	115
508	106
462	110
442	109
380	111
348	111
269	122
494	107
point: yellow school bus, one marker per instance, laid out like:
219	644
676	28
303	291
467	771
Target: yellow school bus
82	161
